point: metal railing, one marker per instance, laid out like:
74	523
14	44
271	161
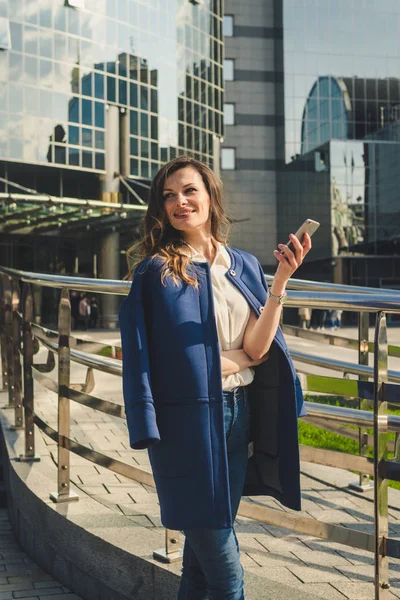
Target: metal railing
375	387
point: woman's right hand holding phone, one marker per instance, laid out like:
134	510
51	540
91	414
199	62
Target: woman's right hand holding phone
289	260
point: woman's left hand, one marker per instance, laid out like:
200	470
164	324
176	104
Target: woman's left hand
290	261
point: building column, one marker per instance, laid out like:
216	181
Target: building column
109	245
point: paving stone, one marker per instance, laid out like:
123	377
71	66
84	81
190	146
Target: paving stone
272	560
279	574
39	585
142	520
280	544
121	498
42	593
355	591
317	575
358	573
313	558
334	516
139	509
14	587
65	596
247	561
323	590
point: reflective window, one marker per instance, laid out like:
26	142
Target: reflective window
229	114
228	26
228	159
76	3
160	67
229	65
342	123
5	35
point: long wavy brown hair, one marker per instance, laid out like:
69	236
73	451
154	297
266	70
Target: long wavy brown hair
160	239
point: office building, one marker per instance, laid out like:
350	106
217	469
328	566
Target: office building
312	130
253	144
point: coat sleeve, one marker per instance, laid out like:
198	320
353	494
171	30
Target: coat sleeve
301	409
136	381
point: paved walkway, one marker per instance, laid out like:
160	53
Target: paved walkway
19	576
315	566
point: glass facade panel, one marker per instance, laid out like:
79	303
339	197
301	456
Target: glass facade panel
229	66
66	63
228	159
228	26
229	114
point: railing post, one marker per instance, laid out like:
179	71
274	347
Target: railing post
16	357
169	554
364	484
27	340
7	300
64	493
380	456
3	342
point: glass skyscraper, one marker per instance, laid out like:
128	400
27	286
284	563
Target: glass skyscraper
340	161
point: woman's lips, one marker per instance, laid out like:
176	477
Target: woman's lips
184	214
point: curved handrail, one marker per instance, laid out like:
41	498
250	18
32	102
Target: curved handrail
332	339
340	365
371	302
82	284
320	286
293	284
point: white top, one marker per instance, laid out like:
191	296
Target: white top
232	313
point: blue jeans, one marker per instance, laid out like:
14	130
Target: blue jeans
211	561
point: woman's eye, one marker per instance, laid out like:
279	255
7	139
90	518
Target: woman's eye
191	189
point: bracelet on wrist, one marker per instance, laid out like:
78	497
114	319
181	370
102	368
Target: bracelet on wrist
278	299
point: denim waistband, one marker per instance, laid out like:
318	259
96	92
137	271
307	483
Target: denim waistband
238	393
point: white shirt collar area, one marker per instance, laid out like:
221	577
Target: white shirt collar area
222	257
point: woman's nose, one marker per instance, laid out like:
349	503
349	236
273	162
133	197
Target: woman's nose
181	198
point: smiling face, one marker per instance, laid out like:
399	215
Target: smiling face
186	201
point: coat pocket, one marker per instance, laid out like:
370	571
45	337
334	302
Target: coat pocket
172	456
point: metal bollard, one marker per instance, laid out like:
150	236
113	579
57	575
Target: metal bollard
64	493
171	553
364	484
27	339
380	457
16	358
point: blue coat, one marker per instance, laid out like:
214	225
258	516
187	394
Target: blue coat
172	387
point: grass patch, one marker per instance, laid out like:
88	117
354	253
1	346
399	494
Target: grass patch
309	435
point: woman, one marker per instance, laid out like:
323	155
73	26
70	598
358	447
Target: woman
209	386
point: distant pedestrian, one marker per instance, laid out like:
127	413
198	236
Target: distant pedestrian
84	312
331	316
318	319
305	317
336	319
74	299
94	313
322	319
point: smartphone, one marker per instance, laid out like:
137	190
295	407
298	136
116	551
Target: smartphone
309	226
